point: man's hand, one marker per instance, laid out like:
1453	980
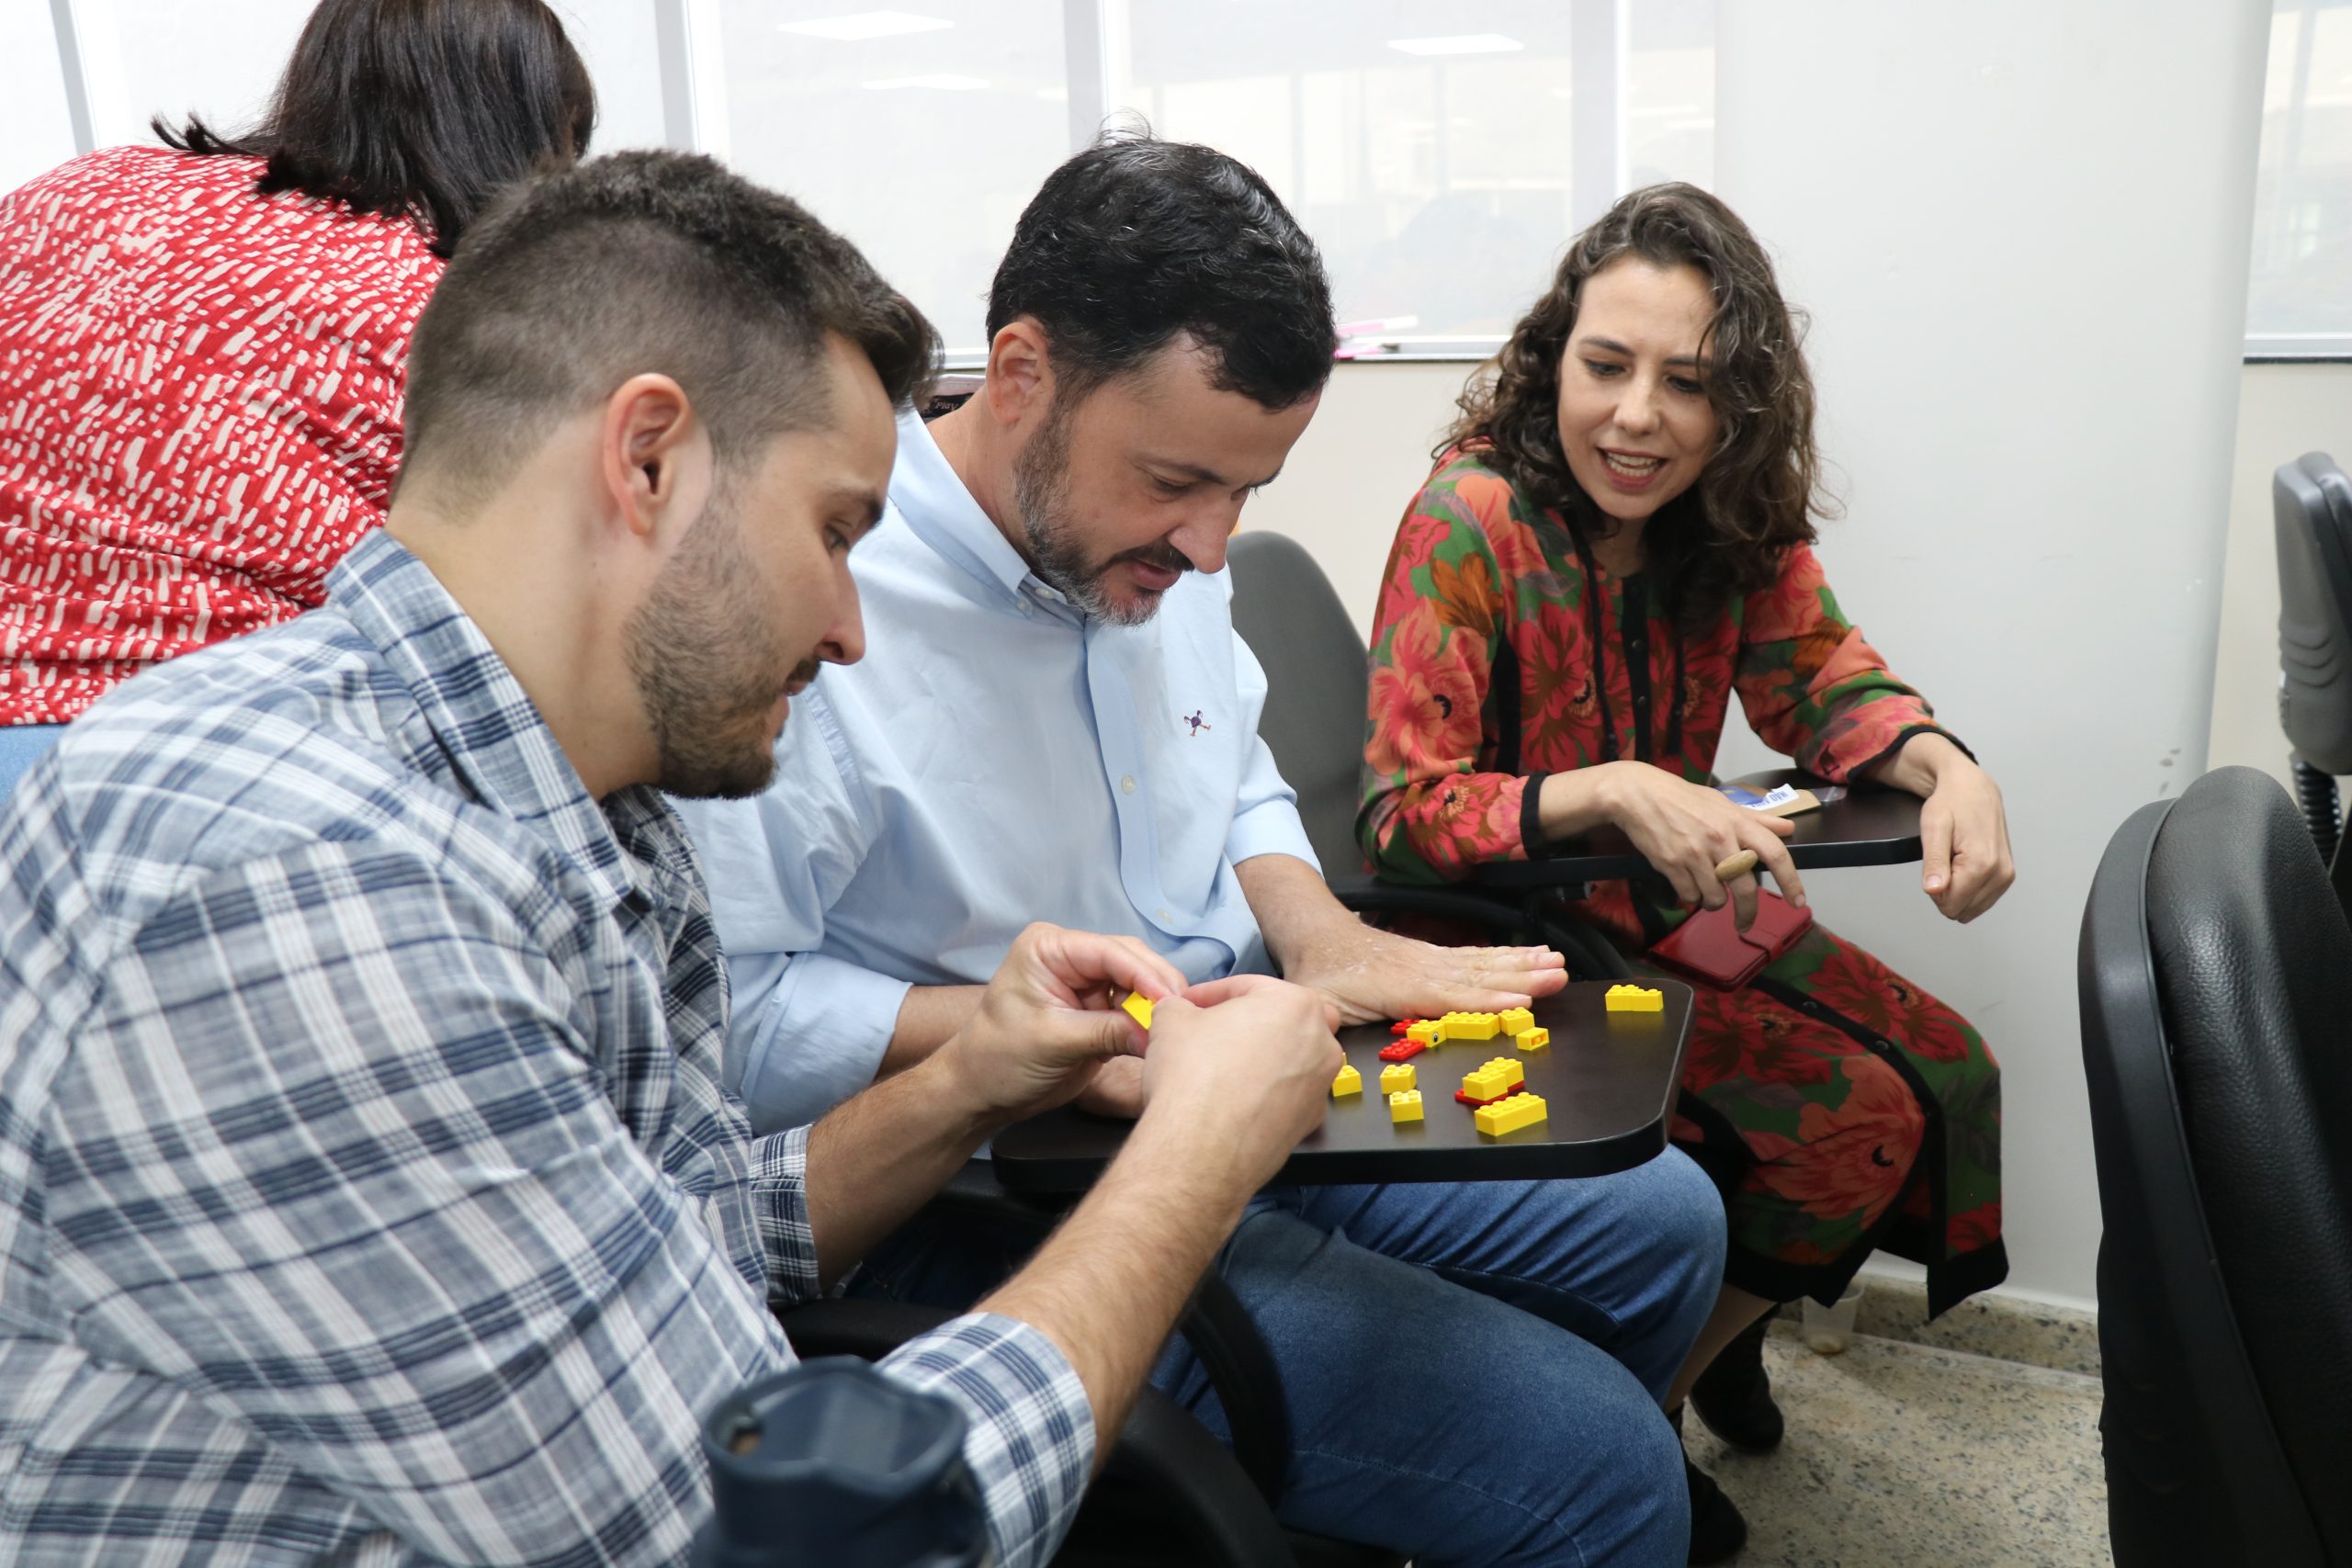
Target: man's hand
1049	1021
1372	975
1240	1070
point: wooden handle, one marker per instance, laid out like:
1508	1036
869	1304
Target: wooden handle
1737	864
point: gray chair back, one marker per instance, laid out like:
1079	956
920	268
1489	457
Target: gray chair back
2311	507
1286	611
2215	974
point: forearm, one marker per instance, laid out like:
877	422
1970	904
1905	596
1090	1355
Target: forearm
882	1155
1107	1287
1292	903
928	1018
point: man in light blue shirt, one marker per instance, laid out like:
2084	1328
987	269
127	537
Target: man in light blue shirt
1054	721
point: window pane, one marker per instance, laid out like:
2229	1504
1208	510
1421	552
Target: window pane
1433	155
919	134
2302	283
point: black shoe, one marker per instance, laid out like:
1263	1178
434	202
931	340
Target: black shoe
1733	1395
1717	1531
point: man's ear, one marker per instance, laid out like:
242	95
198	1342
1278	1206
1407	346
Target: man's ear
654	449
1020	384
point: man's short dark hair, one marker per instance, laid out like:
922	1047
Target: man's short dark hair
1136	241
638	262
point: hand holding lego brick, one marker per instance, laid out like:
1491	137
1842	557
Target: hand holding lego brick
1239	1082
1049	1020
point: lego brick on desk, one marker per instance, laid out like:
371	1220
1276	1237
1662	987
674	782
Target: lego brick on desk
1496	1078
1401	1025
1404	1105
1397	1077
1350	1081
1424	1032
1531	1039
1634	998
1471	1025
1510	1115
1402	1051
1515	1020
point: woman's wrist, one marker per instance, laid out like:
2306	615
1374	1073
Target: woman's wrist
1579	800
1921	763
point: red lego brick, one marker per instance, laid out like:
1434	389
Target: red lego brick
1403	1051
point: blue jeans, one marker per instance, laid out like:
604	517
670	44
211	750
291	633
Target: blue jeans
22	745
1473	1369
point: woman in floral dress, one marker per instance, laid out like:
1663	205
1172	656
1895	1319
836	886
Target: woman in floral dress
1617	537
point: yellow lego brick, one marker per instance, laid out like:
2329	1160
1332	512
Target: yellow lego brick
1350	1081
1397	1078
1471	1025
1515	1020
1531	1039
1404	1106
1510	1115
1428	1032
1634	998
1495	1077
1138	1007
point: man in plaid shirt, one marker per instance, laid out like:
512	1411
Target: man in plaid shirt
367	1188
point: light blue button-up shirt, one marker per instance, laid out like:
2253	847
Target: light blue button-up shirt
997	758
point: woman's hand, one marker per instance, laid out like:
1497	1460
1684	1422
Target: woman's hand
1964	830
1687	829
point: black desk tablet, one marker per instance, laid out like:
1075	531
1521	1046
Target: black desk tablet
1607	1081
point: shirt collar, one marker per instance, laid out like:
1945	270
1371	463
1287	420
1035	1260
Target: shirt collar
930	496
485	723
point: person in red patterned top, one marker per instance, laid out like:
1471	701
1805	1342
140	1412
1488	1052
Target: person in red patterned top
202	344
1616	541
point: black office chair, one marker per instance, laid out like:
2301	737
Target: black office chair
1171	1495
1318	690
2215	972
2311	507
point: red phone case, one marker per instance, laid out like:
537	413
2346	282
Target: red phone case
1709	949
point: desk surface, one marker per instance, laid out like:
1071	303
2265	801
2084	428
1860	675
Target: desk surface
1869	827
1607	1080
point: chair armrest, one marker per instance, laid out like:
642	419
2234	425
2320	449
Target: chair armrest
1163	1455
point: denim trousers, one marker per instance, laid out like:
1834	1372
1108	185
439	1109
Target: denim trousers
1473	1370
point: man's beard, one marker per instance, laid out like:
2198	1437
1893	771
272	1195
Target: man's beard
704	672
1041	490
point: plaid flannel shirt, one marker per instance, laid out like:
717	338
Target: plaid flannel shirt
367	1188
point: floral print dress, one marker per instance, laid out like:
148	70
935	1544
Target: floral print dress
1839	1107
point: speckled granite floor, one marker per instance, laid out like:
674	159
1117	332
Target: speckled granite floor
1915	1456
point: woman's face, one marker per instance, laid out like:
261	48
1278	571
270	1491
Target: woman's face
1635	424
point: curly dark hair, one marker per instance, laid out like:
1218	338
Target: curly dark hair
1136	241
1757	495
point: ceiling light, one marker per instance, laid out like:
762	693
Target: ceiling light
865	25
939	82
1457	43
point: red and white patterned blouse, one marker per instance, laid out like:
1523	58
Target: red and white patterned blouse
199	411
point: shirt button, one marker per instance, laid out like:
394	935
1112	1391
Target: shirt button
1127	785
1165	917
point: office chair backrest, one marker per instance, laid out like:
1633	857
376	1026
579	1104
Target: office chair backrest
1285	610
2311	507
2216	984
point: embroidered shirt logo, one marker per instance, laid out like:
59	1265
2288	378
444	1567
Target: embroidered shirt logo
1197	723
